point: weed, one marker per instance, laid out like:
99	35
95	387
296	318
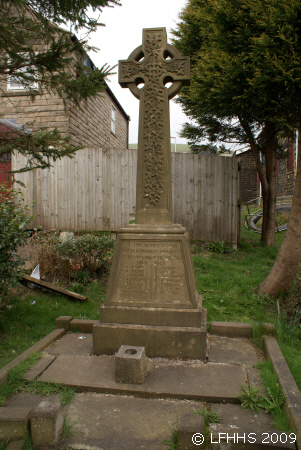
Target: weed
251	398
173	442
275	394
28	445
83	276
67	429
77	288
209	415
67	394
288	330
3	445
219	247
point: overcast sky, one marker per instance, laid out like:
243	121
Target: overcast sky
121	35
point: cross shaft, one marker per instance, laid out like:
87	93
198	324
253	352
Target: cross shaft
154	63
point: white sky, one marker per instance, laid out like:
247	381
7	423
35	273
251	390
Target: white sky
121	35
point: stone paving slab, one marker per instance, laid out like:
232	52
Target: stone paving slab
250	430
29	400
254	378
231	351
124	423
39	367
164	379
73	344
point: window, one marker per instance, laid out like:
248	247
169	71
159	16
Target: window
15	83
113	120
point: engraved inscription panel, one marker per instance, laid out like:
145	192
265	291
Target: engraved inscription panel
152	271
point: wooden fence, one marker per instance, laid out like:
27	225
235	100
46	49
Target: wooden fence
96	190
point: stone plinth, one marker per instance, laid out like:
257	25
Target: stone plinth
152	298
152	267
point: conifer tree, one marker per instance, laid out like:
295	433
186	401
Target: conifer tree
38	52
246	80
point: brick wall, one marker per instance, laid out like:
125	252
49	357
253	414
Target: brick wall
249	188
91	125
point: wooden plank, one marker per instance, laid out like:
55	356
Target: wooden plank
234	168
97	191
52	287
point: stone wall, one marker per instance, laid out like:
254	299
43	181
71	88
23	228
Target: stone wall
46	111
249	188
91	125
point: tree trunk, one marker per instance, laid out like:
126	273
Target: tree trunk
269	190
289	257
267	179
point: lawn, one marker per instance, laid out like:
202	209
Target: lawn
228	283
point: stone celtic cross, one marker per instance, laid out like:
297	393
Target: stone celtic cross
154	64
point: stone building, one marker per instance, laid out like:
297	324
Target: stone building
100	123
285	173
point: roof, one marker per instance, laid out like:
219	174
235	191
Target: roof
89	63
12	125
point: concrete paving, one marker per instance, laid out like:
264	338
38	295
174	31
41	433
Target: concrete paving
164	379
124	423
231	351
119	416
73	344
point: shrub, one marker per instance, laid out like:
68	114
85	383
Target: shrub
219	247
72	257
14	219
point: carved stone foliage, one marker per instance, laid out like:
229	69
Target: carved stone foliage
154	63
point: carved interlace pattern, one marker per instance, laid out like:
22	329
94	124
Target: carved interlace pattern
153	123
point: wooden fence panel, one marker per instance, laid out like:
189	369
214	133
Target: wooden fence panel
96	190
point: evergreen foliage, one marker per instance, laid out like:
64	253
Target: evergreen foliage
245	79
14	220
46	59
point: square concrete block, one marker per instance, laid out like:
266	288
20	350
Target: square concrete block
190	432
268	328
130	365
46	424
63	322
14	423
231	329
82	325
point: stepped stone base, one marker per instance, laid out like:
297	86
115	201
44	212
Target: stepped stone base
184	342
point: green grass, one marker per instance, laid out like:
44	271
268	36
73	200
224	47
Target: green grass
16	383
275	396
272	402
26	322
173	441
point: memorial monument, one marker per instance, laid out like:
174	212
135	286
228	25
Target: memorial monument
152	298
